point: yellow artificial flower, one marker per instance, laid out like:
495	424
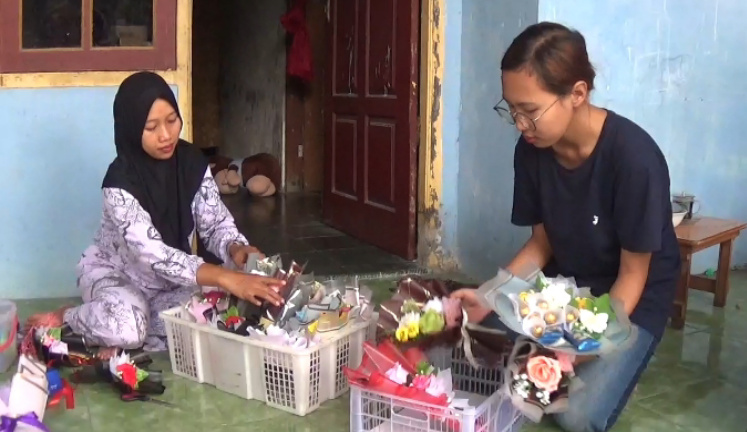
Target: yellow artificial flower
401	334
413	329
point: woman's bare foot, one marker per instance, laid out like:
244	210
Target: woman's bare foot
107	353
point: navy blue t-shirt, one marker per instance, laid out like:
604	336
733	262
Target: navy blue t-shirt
617	199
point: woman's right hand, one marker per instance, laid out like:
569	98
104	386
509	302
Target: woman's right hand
253	288
476	312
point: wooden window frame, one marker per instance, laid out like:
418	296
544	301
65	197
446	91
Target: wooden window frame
160	56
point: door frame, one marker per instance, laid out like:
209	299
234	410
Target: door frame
430	159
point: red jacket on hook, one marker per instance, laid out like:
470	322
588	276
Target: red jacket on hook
299	56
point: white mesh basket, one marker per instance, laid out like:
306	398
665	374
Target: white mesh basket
489	410
297	381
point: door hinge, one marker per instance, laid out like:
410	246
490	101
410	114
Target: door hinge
300	152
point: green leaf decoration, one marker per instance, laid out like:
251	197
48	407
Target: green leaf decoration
424	368
55	333
410	306
141	375
233	311
603	304
541	282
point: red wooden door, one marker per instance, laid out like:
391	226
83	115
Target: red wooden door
371	145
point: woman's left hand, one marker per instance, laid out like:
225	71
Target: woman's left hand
240	253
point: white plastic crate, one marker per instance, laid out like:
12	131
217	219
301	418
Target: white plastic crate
490	410
293	380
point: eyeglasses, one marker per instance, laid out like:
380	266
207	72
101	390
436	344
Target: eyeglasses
521	119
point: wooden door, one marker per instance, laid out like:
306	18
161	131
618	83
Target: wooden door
371	143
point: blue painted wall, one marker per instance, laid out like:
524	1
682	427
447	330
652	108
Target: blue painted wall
677	69
55	147
478	145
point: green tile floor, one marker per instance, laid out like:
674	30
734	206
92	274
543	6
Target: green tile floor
696	382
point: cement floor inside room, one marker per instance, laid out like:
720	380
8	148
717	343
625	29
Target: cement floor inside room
695	382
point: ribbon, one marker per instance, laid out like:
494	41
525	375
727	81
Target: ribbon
9	424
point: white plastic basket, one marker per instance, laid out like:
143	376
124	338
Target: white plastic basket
489	411
293	380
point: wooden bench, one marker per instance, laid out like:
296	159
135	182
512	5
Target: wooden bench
694	236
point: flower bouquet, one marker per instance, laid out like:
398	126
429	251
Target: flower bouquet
557	314
420	313
539	380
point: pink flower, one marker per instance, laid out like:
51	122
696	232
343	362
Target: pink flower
544	372
566	361
421	382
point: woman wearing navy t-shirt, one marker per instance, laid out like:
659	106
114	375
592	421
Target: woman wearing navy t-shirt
594	188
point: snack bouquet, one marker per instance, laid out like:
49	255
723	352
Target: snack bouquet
309	308
558	314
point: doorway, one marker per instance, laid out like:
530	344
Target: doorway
349	136
365	93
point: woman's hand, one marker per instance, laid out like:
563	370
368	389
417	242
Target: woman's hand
240	253
476	312
253	288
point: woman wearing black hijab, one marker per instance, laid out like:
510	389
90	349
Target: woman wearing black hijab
158	193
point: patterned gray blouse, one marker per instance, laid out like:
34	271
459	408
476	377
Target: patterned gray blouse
128	242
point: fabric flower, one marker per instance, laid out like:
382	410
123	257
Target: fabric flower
556	295
432	322
409	318
422	382
413	329
401	334
593	322
434	305
544	372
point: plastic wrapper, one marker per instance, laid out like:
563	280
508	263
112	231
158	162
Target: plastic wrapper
538	380
557	314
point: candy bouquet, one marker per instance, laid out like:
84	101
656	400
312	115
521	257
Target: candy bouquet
557	314
310	309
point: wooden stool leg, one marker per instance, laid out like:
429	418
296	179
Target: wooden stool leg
679	310
722	274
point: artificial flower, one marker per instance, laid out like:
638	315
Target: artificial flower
556	295
413	329
422	382
593	322
434	305
544	372
432	322
401	334
409	318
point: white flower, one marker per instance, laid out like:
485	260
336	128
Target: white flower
409	318
556	295
435	305
397	374
594	323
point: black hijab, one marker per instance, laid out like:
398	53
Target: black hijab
164	188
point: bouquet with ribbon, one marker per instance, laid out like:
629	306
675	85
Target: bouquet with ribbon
538	380
557	314
420	313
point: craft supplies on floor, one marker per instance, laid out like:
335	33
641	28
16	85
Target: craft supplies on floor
291	379
23	401
8	334
474	403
